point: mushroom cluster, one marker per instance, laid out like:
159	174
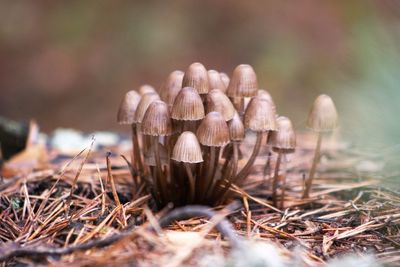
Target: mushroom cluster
187	136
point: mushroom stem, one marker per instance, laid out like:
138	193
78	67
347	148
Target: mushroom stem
231	173
210	170
283	183
159	174
191	182
247	168
137	160
313	167
276	178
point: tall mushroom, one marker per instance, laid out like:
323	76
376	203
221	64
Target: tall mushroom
157	122
260	118
323	118
213	133
243	84
187	150
214	78
283	142
196	76
171	87
126	115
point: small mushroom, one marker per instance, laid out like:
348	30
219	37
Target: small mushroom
213	132
225	79
260	118
196	76
171	87
187	150
214	78
218	101
145	89
323	118
283	142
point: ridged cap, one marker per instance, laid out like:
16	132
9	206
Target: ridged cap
144	103
188	105
284	139
214	78
225	78
213	130
171	87
196	76
150	159
260	116
263	94
323	116
218	101
156	120
236	128
127	108
243	82
187	149
145	89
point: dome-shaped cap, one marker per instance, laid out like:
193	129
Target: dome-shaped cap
284	139
243	83
187	149
156	120
188	105
144	103
213	130
236	128
150	159
323	116
225	78
218	101
196	76
260	116
263	94
214	78
171	87
127	108
145	89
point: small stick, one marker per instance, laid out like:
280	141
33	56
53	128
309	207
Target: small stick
110	178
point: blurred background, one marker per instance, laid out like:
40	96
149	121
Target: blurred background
68	63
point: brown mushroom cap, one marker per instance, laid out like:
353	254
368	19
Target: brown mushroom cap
127	108
225	78
265	95
243	83
260	116
187	149
144	103
196	76
323	116
171	87
156	120
284	139
145	89
236	128
188	105
214	78
218	101
213	130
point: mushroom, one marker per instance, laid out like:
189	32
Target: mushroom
187	150
213	132
157	122
215	80
188	108
283	142
145	89
323	118
259	117
237	134
171	87
243	84
218	101
225	79
126	115
196	76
